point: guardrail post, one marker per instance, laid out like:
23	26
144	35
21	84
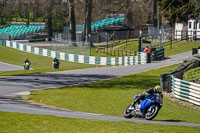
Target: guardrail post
118	52
140	41
165	82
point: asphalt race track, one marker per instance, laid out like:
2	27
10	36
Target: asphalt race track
9	67
13	85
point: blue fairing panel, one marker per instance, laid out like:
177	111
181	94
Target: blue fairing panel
144	105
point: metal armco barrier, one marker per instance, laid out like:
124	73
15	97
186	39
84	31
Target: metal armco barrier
141	58
185	90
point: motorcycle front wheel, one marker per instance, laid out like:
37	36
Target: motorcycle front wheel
128	111
151	113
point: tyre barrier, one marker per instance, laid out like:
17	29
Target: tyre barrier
2	43
186	91
141	58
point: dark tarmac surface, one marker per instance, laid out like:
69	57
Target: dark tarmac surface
9	67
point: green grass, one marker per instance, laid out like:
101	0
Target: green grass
192	74
180	47
132	45
177	47
39	64
27	123
43	42
99	54
112	96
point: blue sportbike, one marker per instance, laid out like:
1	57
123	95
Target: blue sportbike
147	108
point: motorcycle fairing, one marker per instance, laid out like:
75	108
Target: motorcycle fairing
145	104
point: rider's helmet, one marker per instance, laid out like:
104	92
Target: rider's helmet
158	89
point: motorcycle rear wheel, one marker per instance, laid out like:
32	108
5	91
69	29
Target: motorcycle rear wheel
128	112
151	113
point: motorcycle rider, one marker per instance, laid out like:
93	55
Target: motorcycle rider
26	61
56	63
147	93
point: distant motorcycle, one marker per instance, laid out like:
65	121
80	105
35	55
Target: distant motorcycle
27	66
55	65
147	108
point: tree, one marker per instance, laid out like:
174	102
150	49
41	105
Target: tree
196	10
88	15
6	12
72	20
179	10
49	7
3	4
154	13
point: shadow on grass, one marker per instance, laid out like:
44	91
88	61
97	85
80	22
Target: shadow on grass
125	83
52	80
169	120
42	81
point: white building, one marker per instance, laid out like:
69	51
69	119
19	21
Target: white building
190	31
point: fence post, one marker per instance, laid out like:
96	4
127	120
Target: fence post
97	50
171	41
140	41
107	51
187	35
127	38
176	34
181	35
113	37
118	53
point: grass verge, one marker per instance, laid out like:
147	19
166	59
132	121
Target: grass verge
132	45
23	123
39	64
112	96
177	47
192	74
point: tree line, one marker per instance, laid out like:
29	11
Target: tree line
59	13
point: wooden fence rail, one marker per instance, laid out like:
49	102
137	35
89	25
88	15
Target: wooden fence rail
116	52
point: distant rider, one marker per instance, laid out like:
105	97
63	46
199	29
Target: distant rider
56	63
147	93
26	61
